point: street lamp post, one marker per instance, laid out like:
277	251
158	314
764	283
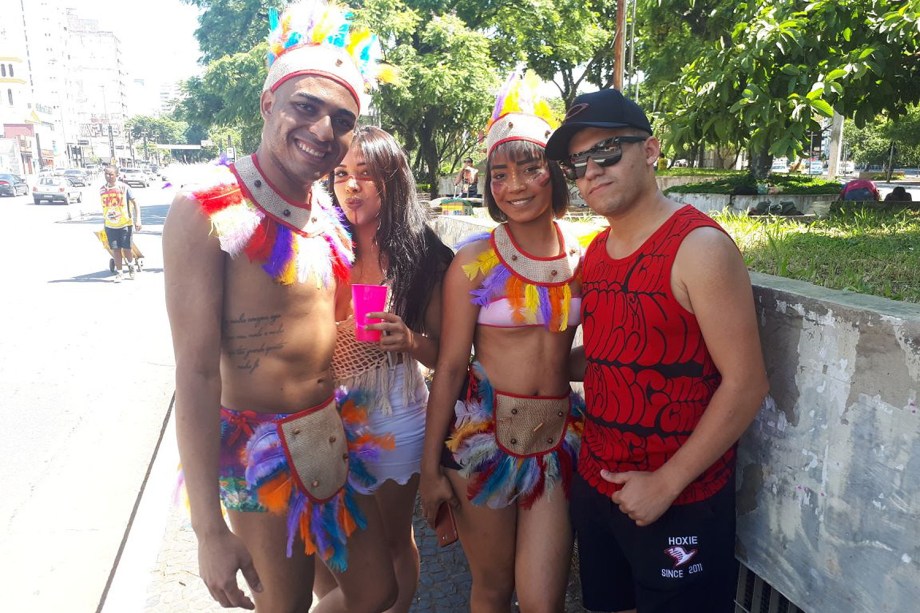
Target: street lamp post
108	121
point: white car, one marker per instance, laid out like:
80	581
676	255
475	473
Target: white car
134	177
55	189
780	165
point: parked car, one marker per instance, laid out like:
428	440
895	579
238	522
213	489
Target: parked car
12	185
135	177
55	189
152	175
816	167
76	176
780	165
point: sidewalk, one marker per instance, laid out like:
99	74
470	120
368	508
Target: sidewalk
158	570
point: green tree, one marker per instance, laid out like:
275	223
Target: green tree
441	102
451	56
565	42
785	66
870	144
227	94
149	131
225	98
228	27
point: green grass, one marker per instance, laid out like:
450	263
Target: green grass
742	183
862	250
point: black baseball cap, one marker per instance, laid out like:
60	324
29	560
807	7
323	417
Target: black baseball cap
607	108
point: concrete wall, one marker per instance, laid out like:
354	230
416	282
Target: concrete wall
666	182
829	473
807	204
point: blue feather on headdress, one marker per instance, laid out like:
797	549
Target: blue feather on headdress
316	22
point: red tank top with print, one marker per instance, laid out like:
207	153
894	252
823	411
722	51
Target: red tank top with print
649	375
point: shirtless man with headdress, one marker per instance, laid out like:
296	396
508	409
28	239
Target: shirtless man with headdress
251	258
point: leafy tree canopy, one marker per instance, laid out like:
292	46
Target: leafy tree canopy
729	75
443	97
227	27
786	65
227	94
156	129
871	143
566	42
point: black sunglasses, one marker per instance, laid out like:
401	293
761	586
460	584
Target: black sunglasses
605	153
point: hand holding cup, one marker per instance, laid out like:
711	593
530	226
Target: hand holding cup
367	299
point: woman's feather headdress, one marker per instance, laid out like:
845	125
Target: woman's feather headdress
520	113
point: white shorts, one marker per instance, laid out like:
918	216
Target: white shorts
407	425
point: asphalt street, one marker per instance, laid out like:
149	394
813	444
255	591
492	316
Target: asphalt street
86	379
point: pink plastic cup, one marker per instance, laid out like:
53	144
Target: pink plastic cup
367	299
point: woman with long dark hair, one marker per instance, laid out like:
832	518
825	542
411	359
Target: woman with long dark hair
394	247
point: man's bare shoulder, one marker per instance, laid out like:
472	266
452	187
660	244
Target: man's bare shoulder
187	226
708	241
708	255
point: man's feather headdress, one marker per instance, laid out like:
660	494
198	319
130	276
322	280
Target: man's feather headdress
314	37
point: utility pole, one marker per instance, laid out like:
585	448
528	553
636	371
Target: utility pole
38	146
112	145
835	146
632	49
891	151
619	45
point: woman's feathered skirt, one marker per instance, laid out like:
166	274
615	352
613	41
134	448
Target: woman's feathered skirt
515	448
310	465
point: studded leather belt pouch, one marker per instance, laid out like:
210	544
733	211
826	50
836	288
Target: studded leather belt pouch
529	425
316	449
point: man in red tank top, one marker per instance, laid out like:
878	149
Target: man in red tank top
673	375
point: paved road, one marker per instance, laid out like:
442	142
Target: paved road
88	521
85	378
912	187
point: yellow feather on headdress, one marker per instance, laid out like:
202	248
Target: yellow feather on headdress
359	37
520	94
327	23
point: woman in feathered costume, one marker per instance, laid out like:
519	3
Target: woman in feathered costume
513	296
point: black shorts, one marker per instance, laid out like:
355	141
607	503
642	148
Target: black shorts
119	238
684	562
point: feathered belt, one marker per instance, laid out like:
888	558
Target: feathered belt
514	448
310	464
